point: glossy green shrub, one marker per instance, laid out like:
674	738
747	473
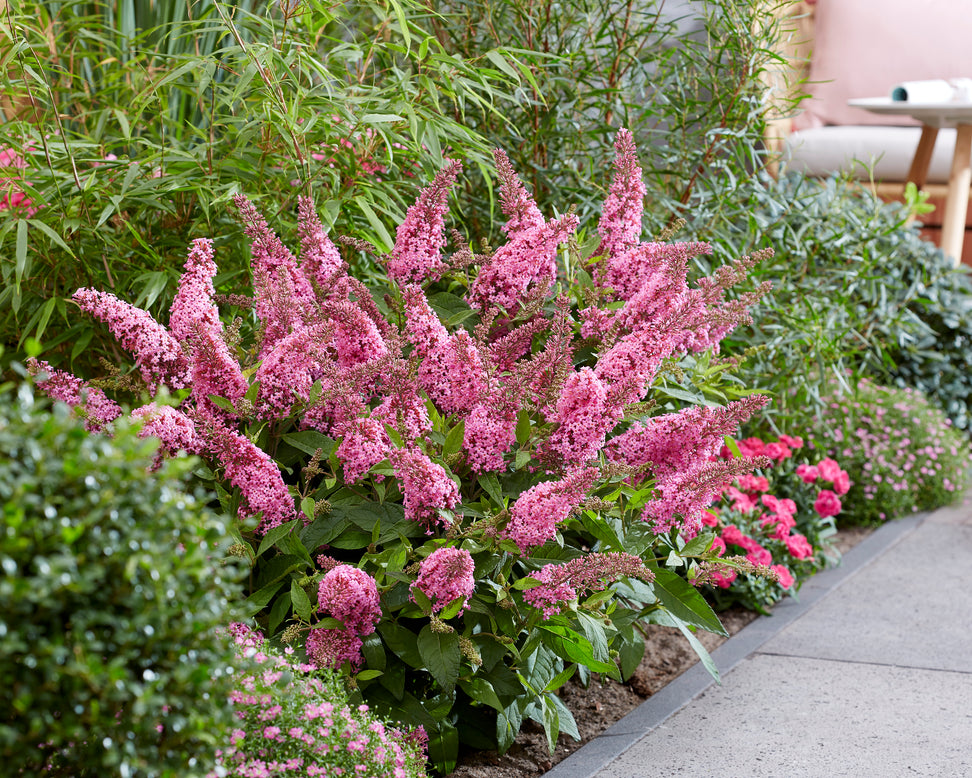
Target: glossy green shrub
110	598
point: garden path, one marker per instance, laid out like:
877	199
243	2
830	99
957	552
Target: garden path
868	674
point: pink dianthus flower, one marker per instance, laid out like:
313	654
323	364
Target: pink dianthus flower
786	577
827	504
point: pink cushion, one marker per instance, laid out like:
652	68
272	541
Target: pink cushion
862	48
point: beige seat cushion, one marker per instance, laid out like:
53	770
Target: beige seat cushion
856	149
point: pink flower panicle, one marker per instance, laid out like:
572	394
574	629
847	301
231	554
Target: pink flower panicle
453	374
489	432
171	426
527	261
331	648
254	473
351	596
422	325
426	486
517	204
417	253
446	575
284	297
288	371
356	338
364	444
563	583
538	512
583	419
620	224
320	259
88	402
675	441
215	371
158	356
193	306
681	497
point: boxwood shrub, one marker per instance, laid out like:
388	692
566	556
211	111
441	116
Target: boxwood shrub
111	659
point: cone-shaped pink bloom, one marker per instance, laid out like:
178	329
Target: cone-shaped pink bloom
620	224
516	202
417	254
158	356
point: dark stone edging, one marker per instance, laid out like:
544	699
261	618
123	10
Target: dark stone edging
620	736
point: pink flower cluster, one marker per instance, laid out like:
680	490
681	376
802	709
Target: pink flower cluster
563	583
294	722
350	595
538	512
446	575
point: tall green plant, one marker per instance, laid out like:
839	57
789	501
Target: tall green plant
139	130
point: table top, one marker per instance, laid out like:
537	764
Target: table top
940	114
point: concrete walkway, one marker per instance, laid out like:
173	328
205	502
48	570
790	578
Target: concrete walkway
869	674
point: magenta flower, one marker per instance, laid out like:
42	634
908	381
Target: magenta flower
320	260
786	577
331	648
351	596
516	202
563	583
88	402
799	547
620	224
538	512
427	487
158	355
171	426
254	473
363	445
489	432
827	504
583	419
445	575
417	253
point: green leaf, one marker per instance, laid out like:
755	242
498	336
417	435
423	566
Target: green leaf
698	545
309	441
308	507
275	534
257	601
279	611
561	678
444	748
684	602
300	600
482	691
440	654
451	610
565	717
523	427
631	652
453	441
491	486
669	620
571	645
368	675
732	446
594	632
508	725
402	641
21	250
551	722
222	402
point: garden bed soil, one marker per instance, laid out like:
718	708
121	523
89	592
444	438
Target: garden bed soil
603	702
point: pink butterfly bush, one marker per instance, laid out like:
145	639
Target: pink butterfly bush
385	379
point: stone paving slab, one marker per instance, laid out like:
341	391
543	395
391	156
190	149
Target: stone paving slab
793	717
911	607
867	674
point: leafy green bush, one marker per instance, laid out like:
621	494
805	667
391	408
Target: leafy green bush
902	453
111	592
856	291
452	482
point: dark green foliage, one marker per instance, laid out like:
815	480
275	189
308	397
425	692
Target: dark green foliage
110	602
856	291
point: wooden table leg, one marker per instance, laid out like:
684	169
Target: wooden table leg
918	174
957	199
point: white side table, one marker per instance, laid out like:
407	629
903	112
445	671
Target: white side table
934	116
